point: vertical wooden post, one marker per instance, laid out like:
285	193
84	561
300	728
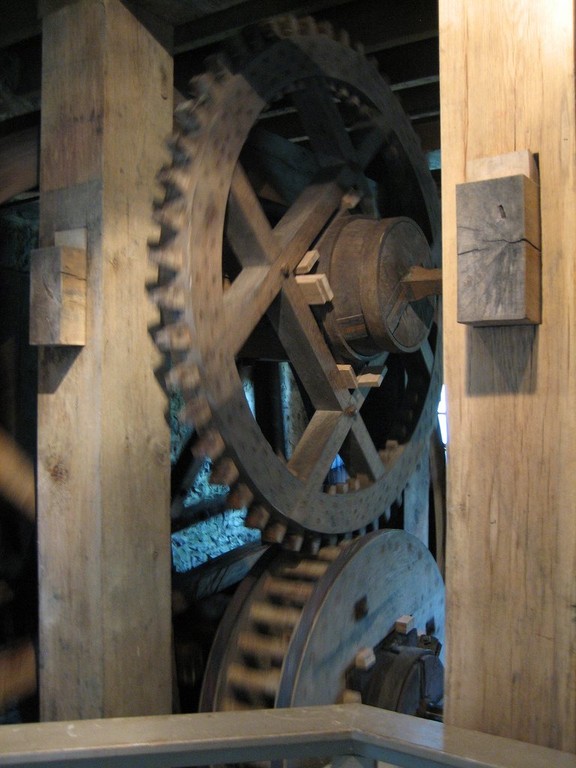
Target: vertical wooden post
507	76
103	446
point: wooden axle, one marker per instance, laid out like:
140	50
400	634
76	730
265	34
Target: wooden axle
420	282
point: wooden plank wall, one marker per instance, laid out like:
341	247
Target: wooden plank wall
507	84
103	445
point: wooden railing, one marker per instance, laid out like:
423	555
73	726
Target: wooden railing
347	736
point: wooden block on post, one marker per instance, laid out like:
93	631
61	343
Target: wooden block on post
58	296
520	162
499	268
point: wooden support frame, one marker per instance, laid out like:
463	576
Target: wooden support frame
507	74
103	445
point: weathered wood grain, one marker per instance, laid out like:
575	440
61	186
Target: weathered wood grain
507	73
58	296
498	246
103	446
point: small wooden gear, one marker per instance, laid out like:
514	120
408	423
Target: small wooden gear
298	624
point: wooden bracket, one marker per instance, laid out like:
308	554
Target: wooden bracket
308	261
316	288
404	624
499	242
371	377
58	291
347	376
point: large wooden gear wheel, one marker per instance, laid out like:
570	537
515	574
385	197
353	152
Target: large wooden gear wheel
298	623
251	223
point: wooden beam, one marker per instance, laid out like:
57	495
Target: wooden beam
507	73
103	446
18	162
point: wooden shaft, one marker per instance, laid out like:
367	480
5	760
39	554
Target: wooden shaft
420	282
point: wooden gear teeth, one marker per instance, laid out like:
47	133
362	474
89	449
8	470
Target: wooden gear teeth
307	25
171	214
173	179
240	496
325	28
196	412
170	297
189	118
175	337
184	377
167	256
224	472
218	66
208	444
180	150
293	541
199	88
274	532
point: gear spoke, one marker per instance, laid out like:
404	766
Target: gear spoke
323	125
310	356
370	144
317	448
255	288
283	168
248	230
305	220
427	356
366	457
